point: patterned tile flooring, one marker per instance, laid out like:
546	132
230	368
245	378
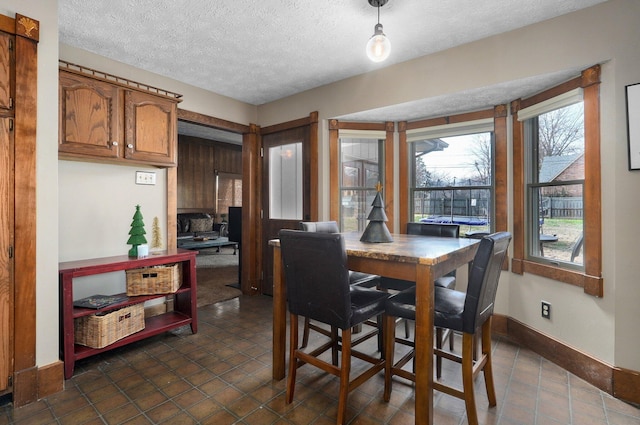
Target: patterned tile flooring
222	375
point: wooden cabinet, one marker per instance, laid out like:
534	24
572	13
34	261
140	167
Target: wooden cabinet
184	303
102	120
151	128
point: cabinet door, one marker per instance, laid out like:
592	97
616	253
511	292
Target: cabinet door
6	260
90	118
151	128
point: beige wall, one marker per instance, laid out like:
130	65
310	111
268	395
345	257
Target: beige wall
604	328
607	33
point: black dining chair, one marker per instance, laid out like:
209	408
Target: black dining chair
317	284
468	313
447	281
355	278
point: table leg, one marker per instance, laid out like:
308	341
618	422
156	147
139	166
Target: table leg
279	317
424	345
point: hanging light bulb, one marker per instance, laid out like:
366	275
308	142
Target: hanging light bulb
378	47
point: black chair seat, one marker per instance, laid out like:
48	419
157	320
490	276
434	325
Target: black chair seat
365	280
366	303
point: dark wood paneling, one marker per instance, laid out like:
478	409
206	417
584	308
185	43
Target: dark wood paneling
198	160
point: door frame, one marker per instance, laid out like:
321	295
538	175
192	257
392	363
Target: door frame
312	122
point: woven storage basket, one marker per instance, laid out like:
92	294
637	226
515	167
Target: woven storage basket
102	329
153	280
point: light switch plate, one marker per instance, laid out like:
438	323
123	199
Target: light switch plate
145	177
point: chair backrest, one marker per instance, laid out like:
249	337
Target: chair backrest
320	226
316	275
483	280
433	229
446	230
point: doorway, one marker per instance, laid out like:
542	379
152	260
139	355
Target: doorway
286	189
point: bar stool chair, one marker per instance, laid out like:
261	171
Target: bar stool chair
317	280
355	278
446	281
468	313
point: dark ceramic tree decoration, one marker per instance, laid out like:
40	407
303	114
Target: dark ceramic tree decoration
376	230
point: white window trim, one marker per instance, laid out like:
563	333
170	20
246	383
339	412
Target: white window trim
450	130
565	99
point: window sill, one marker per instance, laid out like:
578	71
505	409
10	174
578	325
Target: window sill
592	285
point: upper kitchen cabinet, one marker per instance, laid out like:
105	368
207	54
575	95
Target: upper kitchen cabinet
107	118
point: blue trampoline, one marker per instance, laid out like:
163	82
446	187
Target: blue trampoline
456	219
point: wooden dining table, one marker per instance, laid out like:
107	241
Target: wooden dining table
421	259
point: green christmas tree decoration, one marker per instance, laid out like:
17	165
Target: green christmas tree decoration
156	236
136	234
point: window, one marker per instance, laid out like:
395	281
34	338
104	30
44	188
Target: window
361	156
452	180
454	166
557	216
554	160
361	164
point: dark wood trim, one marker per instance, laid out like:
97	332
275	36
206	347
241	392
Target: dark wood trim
50	379
592	181
403	177
194	117
625	384
517	141
314	202
26	111
451	119
389	198
300	122
251	245
334	171
592	370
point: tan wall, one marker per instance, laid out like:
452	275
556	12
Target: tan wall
605	328
607	33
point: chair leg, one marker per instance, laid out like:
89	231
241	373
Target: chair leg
439	332
293	346
345	370
334	345
467	378
488	369
389	334
407	333
305	333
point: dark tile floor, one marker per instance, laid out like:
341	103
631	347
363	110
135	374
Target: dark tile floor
222	375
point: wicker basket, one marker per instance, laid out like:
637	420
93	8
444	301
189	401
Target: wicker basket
153	280
102	329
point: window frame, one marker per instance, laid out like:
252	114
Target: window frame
590	277
335	164
500	203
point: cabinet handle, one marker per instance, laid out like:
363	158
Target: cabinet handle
130	145
114	143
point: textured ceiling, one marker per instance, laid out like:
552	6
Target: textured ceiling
261	51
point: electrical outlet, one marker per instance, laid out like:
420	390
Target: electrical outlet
145	177
546	310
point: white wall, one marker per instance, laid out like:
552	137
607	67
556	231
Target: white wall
607	33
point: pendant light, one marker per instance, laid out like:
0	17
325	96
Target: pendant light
378	46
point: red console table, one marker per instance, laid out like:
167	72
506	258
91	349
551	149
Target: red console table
184	311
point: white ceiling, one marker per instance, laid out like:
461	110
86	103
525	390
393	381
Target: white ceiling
261	51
